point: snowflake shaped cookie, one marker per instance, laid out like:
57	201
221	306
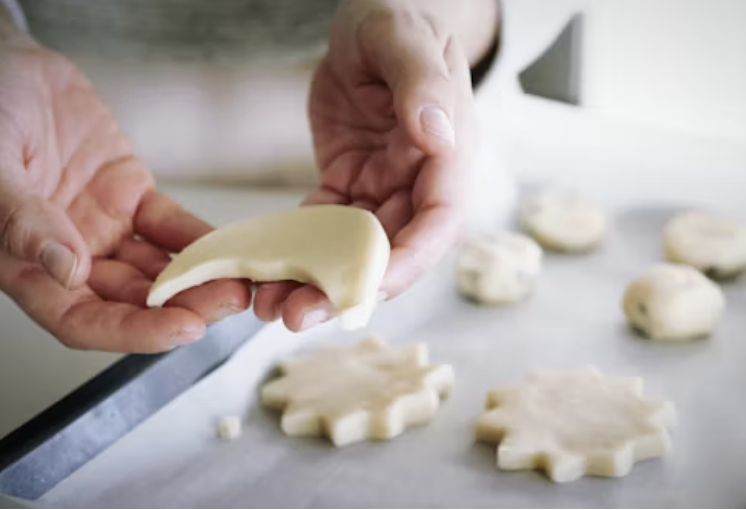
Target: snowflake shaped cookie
366	391
575	423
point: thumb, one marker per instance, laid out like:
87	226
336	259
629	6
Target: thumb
36	230
422	71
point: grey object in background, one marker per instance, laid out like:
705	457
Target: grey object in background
556	73
183	30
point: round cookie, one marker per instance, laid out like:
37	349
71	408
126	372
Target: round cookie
714	245
498	269
673	302
563	221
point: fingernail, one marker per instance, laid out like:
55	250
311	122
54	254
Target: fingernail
188	336
436	123
314	318
59	262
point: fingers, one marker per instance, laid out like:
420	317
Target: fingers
165	223
144	256
395	213
35	230
118	282
270	297
82	320
438	200
115	280
418	248
326	196
122	327
423	67
305	308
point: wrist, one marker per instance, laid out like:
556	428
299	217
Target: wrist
475	23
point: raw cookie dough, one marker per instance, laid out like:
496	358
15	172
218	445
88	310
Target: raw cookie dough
673	302
714	245
341	250
563	221
498	270
575	423
368	390
229	427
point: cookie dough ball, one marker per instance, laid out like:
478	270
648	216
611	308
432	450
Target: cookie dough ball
673	302
563	221
714	245
499	269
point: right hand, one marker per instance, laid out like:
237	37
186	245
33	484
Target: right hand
83	232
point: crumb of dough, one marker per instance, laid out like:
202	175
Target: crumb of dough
229	427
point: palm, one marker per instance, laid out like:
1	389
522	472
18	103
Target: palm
77	160
364	153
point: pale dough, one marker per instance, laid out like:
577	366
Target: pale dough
229	427
673	302
714	245
368	390
563	221
341	250
498	269
575	423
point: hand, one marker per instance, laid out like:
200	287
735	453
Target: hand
83	230
391	110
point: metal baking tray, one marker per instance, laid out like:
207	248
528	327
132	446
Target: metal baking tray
51	446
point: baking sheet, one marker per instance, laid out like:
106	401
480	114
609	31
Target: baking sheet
574	319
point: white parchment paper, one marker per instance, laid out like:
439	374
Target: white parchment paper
574	319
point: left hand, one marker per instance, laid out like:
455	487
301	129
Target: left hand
391	111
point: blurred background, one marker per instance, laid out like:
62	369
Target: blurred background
597	92
680	64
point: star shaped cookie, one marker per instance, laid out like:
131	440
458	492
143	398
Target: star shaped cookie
575	423
365	391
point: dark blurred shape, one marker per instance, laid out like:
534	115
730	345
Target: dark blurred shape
556	73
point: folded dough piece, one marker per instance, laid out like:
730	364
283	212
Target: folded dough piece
341	250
